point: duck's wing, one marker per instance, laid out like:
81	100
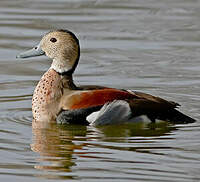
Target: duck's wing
81	103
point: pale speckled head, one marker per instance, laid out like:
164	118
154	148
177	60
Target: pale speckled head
60	45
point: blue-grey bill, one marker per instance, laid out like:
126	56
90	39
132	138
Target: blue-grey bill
36	51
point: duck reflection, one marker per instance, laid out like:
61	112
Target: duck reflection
59	146
56	147
138	137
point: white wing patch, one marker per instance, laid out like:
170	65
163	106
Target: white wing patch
115	112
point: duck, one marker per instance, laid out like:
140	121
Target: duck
57	99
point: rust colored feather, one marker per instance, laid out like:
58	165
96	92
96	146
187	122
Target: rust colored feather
98	97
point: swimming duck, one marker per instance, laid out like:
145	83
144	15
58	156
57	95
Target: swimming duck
57	99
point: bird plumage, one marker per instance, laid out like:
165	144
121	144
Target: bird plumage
57	99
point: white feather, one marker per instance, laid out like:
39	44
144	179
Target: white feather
61	66
115	112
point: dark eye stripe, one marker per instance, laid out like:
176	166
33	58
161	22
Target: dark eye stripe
53	39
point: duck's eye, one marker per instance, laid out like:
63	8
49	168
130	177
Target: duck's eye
53	39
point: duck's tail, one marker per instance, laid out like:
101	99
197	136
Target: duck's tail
175	116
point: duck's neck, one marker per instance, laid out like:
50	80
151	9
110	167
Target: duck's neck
67	81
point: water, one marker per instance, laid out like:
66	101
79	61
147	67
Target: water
152	46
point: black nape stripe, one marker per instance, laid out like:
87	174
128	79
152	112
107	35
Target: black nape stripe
71	71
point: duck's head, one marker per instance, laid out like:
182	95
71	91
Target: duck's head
62	46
